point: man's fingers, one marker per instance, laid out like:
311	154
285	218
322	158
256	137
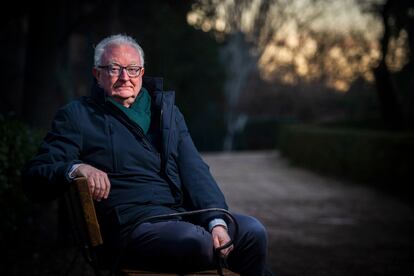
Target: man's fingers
216	241
91	185
98	181
97	188
94	187
102	187
221	238
225	252
108	187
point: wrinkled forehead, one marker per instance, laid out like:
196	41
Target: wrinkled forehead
123	54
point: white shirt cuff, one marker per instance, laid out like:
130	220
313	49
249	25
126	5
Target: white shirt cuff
215	222
72	170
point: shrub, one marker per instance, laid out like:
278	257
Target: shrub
17	145
376	157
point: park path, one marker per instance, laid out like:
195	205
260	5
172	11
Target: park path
317	225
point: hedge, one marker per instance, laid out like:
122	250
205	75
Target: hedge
375	157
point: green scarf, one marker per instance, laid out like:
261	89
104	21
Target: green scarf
140	110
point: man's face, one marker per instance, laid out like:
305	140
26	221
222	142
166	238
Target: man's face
123	88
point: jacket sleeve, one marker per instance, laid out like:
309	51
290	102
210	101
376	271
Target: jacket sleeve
200	189
45	177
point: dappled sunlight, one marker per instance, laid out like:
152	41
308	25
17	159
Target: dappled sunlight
345	16
334	41
340	60
397	58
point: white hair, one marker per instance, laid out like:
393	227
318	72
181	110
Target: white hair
116	40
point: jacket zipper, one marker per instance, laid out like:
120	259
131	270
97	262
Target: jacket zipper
135	129
111	133
144	137
169	133
162	157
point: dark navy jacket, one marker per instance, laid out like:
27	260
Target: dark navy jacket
158	173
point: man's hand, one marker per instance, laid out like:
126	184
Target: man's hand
220	238
98	181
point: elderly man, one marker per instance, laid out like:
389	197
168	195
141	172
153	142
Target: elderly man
131	143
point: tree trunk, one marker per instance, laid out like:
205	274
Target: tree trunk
389	105
239	63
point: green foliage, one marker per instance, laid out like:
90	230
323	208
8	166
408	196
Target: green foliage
17	145
378	157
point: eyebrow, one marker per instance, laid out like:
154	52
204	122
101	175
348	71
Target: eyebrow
133	64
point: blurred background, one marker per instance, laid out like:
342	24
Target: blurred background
329	83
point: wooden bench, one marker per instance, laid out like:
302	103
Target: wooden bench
87	232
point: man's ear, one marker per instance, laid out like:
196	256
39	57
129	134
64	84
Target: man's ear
96	73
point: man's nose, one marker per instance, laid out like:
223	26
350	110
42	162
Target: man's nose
123	74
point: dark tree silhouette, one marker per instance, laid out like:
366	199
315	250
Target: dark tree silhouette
396	16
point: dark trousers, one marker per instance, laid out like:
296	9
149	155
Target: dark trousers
183	247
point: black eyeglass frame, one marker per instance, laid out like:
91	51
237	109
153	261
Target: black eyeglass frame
121	68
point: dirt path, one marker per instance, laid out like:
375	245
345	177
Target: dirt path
317	225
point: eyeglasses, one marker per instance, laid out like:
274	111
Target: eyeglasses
115	70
